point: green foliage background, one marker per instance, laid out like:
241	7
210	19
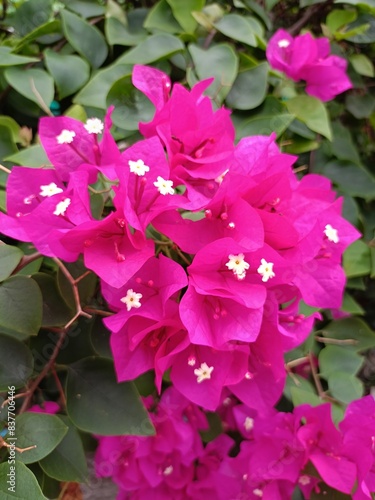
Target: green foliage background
75	57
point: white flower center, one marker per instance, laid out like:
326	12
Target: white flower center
248	424
164	186
168	470
283	43
138	167
304	480
66	137
94	126
258	493
132	299
191	361
61	207
238	265
331	233
203	373
220	178
50	190
266	270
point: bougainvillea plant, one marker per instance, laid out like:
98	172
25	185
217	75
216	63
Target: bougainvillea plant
178	286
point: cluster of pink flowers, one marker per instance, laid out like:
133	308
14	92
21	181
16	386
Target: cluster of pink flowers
205	250
256	236
309	59
277	453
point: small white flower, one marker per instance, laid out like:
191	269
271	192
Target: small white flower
238	265
61	207
258	493
94	126
164	187
304	480
331	233
132	299
203	373
66	137
283	43
138	167
248	424
50	190
266	270
168	470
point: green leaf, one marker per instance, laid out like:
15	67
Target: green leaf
345	387
336	358
182	10
337	19
357	259
95	92
20	307
7	147
16	363
161	18
86	39
312	112
264	125
351	306
33	156
131	32
152	49
97	403
26	484
40	429
351	178
67	462
301	396
249	89
118	34
131	105
343	146
238	28
362	64
86	8
365	23
34	84
297	382
360	106
55	311
67	82
220	62
12	125
30	15
45	29
10	257
354	329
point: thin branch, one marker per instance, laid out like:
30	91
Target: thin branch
297	362
99	312
316	378
73	283
40	100
5	169
27	259
4	444
312	11
19	395
327	340
46	369
59	386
